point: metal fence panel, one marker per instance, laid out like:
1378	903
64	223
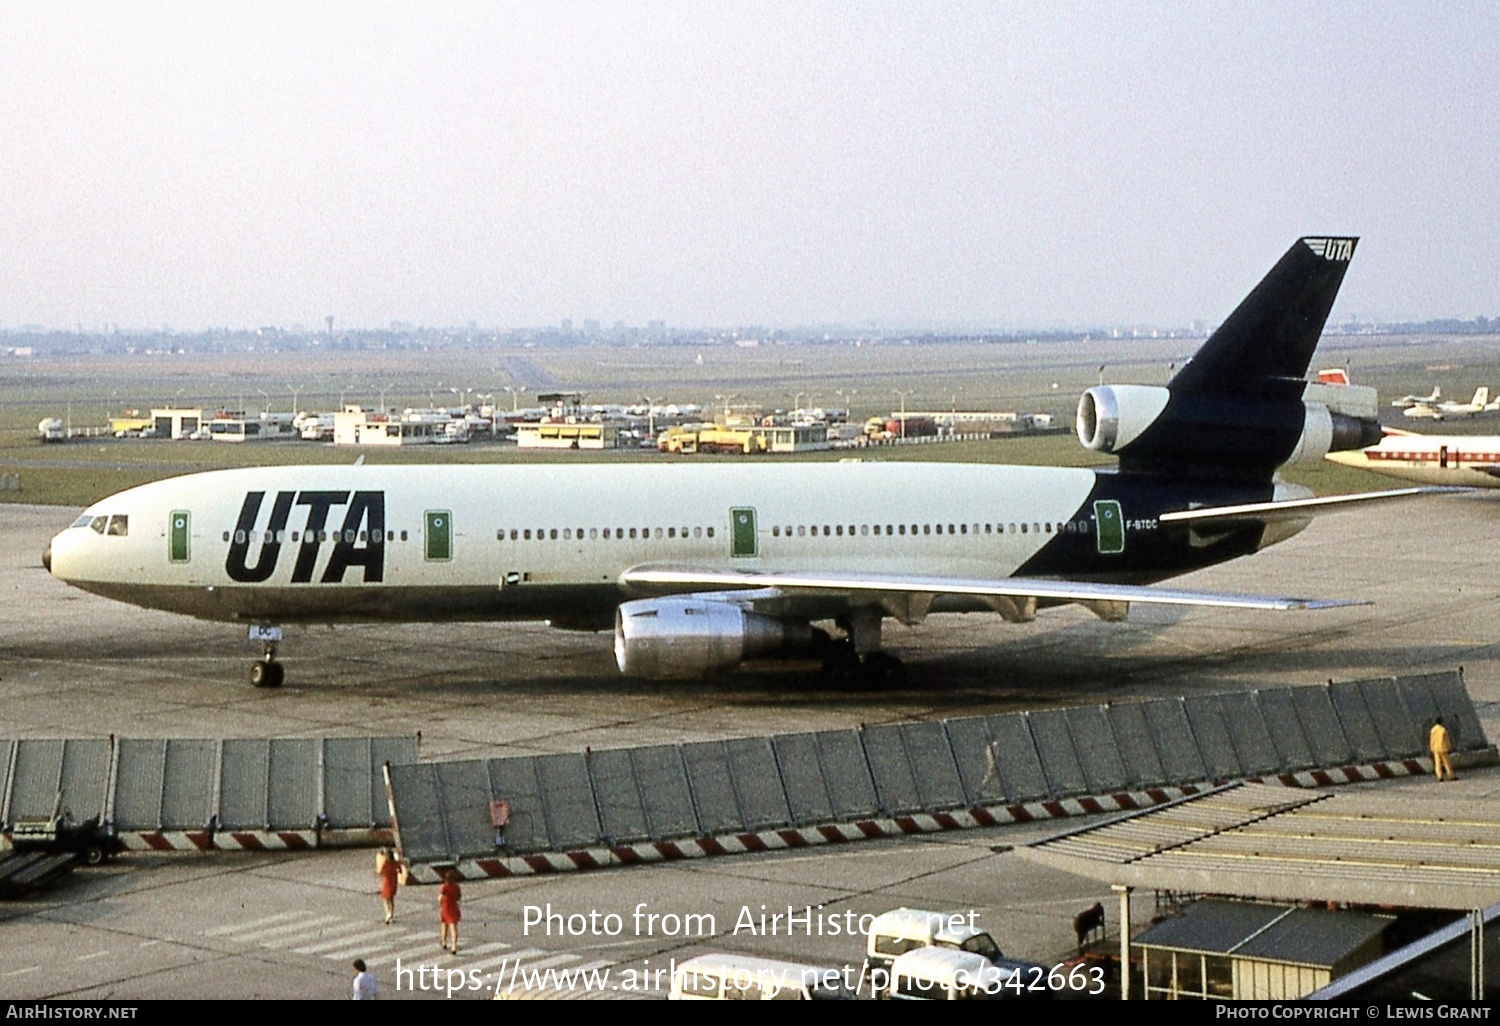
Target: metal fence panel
1320	721
419	809
140	784
1249	733
7	751
713	787
1016	762
932	764
1095	744
807	795
465	789
350	766
1054	743
514	780
243	784
970	738
85	777
1206	719
757	781
189	784
665	792
1457	710
293	783
1181	760
1285	723
572	816
1400	734
621	812
1138	751
891	768
851	788
1421	705
37	779
1349	703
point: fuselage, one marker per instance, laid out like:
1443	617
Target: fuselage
368	543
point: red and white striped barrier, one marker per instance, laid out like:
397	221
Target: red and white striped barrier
894	826
250	840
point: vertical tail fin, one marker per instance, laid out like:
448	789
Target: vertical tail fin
1239	408
1265	346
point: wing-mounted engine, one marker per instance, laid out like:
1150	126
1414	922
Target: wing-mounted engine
1152	427
692	637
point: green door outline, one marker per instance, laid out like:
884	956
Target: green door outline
179	536
1110	526
439	535
742	531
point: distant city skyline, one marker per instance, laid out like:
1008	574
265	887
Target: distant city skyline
985	166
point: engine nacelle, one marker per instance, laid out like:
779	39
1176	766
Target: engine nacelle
686	638
1147	425
1110	417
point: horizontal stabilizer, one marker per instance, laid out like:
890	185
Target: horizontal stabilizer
1294	509
678	579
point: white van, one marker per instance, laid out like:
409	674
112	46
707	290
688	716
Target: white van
901	930
747	978
945	974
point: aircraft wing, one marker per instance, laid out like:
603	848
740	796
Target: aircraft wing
1294	509
1047	591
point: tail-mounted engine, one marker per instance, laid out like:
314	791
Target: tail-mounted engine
686	638
1152	427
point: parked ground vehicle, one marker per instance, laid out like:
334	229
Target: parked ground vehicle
947	974
60	833
747	978
894	933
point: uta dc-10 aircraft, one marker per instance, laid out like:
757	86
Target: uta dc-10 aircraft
700	568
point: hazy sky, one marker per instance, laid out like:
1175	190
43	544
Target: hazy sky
998	164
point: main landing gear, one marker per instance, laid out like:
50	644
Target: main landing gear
856	663
266	672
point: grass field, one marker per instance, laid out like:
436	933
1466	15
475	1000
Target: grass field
870	378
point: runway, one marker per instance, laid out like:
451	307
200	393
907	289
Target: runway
284	925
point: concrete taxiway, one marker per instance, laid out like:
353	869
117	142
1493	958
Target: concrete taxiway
288	924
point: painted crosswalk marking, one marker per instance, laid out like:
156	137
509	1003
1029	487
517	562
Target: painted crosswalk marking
340	938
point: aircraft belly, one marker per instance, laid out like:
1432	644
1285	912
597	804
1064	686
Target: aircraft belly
368	604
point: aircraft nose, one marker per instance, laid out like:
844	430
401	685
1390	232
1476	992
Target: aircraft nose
47	557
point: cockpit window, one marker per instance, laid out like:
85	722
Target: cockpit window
82	521
119	526
97	524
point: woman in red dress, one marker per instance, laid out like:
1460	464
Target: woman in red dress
388	869
448	911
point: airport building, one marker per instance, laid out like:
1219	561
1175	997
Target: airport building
567	436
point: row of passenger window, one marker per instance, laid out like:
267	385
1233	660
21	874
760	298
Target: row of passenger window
595	533
351	536
800	531
898	530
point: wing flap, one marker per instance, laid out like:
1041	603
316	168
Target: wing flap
1294	509
874	586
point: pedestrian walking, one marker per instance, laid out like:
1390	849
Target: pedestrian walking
1440	745
388	871
364	982
449	895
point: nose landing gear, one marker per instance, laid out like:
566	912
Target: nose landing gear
266	672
